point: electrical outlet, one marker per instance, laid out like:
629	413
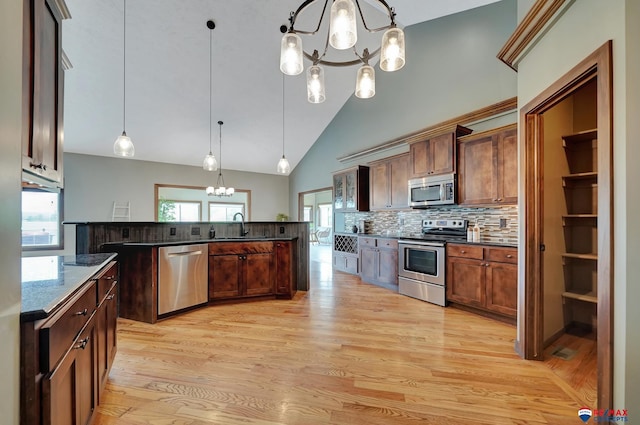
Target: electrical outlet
195	231
503	223
172	231
281	229
125	232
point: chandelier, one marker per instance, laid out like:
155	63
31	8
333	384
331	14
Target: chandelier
220	190
342	35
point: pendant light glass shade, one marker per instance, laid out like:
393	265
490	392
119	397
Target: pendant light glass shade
342	27
291	54
392	50
283	166
210	163
123	146
366	82
315	84
220	189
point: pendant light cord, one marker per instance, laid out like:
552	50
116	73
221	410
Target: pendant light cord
210	87
220	176
124	67
283	115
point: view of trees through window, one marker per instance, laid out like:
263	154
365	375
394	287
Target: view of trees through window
169	210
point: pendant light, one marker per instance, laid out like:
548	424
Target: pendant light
210	163
366	79
283	164
220	190
123	145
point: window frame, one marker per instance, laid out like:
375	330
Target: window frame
225	203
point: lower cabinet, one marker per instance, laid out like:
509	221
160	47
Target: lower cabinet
65	358
286	269
241	269
346	262
483	277
378	260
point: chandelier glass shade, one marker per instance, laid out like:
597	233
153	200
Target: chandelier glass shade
342	35
123	146
220	188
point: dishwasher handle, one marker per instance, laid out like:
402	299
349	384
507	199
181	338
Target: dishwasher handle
184	254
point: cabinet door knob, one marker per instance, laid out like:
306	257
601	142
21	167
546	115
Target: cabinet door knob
495	200
462	251
509	256
110	297
486	264
81	313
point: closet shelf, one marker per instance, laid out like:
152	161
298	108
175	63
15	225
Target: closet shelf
570	216
580	256
582	176
581	136
590	297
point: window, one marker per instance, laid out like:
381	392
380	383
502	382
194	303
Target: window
325	215
219	211
169	210
41	219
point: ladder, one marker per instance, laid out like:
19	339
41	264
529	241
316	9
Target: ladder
121	211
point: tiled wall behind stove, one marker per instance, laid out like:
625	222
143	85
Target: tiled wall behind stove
403	222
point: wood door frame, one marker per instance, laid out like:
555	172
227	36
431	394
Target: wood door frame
597	66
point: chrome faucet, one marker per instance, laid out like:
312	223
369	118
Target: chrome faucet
242	231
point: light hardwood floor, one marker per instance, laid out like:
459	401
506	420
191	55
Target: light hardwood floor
342	353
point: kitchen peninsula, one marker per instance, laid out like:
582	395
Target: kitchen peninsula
217	263
68	335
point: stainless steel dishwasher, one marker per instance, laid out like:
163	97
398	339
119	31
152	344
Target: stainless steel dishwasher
182	277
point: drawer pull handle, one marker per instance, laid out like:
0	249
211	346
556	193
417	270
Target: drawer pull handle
81	313
110	297
82	344
462	251
509	256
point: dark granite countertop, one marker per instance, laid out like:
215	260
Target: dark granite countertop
192	242
47	282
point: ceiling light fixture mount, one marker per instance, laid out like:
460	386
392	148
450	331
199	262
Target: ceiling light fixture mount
342	35
220	190
210	163
123	146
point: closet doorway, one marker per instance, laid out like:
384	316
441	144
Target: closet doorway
568	285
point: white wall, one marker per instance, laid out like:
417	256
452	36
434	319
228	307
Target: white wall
10	174
584	27
451	69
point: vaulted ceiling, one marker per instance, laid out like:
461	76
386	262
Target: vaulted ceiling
167	78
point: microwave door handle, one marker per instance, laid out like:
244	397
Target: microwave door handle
442	192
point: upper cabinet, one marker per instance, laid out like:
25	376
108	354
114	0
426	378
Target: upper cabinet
351	189
488	167
43	88
436	155
388	185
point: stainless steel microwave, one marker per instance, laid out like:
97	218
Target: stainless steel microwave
433	190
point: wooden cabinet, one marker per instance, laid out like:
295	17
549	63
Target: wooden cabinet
436	155
379	260
483	277
106	322
388	183
66	357
286	261
42	143
488	167
345	253
351	189
241	269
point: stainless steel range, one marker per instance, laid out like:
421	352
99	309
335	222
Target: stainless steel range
421	260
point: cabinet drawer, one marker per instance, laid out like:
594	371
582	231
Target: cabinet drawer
228	248
59	332
371	242
503	255
465	251
106	280
388	243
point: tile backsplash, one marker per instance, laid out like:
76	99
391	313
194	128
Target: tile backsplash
488	219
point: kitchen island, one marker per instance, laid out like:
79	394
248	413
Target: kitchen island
235	269
68	335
